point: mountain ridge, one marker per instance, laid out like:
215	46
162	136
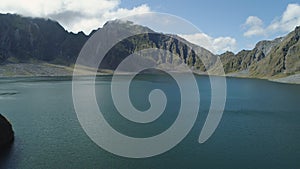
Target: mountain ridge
38	40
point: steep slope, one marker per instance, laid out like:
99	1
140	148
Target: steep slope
269	59
35	40
283	59
25	39
30	40
182	51
244	59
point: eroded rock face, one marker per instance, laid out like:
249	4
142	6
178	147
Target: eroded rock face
6	133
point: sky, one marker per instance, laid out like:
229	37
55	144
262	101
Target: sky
230	25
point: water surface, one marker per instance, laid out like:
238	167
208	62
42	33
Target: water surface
259	129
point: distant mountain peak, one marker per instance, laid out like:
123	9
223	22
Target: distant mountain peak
125	25
118	22
278	57
25	39
266	45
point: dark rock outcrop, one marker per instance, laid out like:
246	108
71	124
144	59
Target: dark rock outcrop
6	133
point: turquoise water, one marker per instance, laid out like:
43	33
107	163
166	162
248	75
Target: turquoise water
260	127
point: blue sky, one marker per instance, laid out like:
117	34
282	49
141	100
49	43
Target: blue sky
222	18
225	25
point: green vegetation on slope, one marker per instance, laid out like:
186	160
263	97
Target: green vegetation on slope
277	58
36	40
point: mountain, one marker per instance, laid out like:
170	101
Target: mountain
269	59
245	58
283	58
181	51
30	40
24	39
29	46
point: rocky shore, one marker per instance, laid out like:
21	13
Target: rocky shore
45	69
293	79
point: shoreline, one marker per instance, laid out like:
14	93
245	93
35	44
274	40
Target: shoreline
284	80
46	70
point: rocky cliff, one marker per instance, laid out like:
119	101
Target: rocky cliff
30	40
36	40
183	52
283	58
277	58
24	39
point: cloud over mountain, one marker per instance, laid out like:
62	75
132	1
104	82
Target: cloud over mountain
75	16
286	23
216	45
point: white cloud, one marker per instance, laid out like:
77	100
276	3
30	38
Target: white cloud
74	15
255	26
89	23
286	23
215	45
289	20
